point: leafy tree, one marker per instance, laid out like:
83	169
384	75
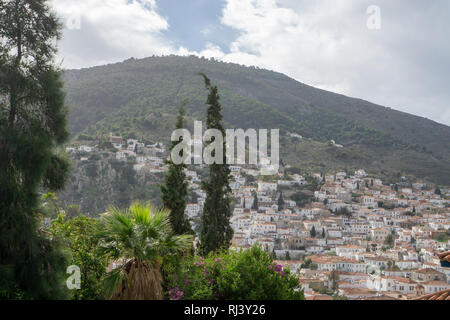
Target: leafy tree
139	238
389	241
302	198
235	275
50	204
73	211
175	189
306	264
437	191
334	278
216	232
32	124
78	235
344	211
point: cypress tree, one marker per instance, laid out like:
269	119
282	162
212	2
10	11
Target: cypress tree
274	254
287	255
175	189
313	232
280	202
216	232
255	201
32	124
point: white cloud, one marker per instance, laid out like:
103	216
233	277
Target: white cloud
110	31
211	51
327	44
302	44
323	43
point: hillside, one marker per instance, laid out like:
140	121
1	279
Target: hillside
139	98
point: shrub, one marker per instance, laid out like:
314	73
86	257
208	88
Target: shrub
77	234
234	275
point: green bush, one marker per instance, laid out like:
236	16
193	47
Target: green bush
234	275
77	234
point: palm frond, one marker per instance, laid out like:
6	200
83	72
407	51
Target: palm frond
141	212
143	235
114	280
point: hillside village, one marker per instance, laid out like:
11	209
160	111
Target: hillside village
347	235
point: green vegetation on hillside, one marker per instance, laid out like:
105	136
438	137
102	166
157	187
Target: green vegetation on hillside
139	98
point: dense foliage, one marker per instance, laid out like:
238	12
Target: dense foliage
138	240
78	235
234	275
175	189
32	123
216	232
140	98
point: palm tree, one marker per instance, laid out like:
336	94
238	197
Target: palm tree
139	237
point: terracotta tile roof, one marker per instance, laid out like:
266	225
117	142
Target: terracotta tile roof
358	291
435	283
440	295
428	270
445	256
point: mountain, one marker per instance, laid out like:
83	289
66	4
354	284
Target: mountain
140	97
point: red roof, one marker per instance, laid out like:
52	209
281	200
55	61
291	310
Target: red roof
440	295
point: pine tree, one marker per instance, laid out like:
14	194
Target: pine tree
216	232
32	124
323	233
175	189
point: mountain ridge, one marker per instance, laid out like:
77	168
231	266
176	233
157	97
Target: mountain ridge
140	97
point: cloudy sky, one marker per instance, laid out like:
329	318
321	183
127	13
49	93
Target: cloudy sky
394	53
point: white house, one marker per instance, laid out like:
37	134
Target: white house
85	149
267	186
